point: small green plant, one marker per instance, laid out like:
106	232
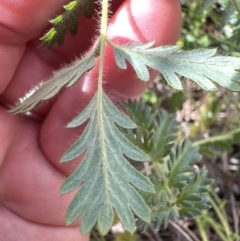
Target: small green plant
172	186
222	227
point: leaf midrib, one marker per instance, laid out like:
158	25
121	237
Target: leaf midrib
102	144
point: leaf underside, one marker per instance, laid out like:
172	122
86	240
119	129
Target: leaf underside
109	184
68	20
199	65
65	77
108	179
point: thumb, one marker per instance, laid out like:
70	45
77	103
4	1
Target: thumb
147	21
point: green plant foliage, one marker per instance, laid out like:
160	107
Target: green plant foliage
166	128
67	20
199	65
65	77
216	220
192	198
171	203
108	183
180	188
179	164
106	175
156	133
140	113
144	134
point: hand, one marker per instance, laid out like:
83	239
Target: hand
30	174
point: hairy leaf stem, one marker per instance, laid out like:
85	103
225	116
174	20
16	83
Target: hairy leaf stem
103	36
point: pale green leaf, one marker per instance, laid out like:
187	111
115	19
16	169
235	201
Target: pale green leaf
64	77
108	180
201	65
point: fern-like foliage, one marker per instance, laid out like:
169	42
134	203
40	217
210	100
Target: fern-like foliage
192	199
108	183
156	133
140	114
180	187
179	164
144	134
67	20
199	65
181	196
171	204
107	177
166	128
65	77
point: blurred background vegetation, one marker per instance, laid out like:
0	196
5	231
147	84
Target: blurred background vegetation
210	120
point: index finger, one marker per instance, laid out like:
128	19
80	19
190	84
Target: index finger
21	21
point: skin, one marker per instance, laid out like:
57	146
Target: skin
30	174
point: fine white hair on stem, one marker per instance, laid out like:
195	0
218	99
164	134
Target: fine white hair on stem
99	12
